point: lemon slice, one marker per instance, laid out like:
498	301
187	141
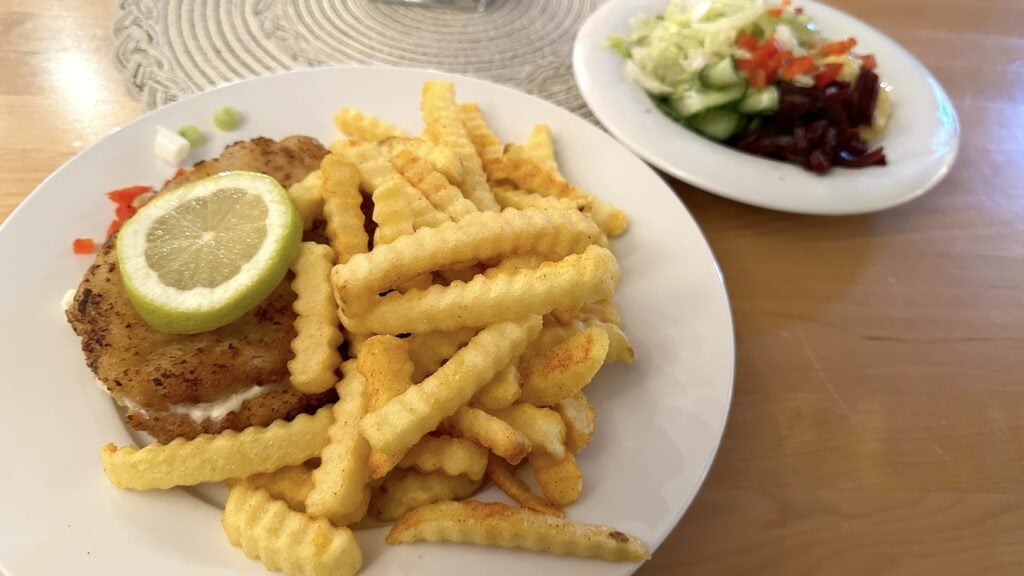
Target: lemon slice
200	256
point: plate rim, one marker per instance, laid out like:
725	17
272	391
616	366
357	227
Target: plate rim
720	283
638	147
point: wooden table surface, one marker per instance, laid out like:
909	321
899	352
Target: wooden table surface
877	425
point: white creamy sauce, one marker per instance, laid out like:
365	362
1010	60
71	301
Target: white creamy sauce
67	300
217	409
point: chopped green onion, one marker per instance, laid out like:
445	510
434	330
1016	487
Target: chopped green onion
227	118
193	134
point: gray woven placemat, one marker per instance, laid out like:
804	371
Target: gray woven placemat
169	49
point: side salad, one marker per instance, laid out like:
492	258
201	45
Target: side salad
760	78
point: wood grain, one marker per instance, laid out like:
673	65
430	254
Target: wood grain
878	420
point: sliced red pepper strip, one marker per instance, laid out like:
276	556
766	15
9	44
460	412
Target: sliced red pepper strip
744	65
798	66
779	60
838	47
115	225
127	195
83	246
758	78
125	211
868	61
828	75
764	52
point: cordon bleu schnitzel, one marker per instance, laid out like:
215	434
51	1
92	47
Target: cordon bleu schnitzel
172	385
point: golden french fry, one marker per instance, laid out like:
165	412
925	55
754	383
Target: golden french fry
603	310
452	456
575	279
384	363
218	457
291	484
400	423
391	211
375	170
343	208
554	333
308	200
460	273
498	524
543	426
580	418
317	335
504	476
438	190
364	126
405	490
539	148
428	350
491	432
486	143
565	369
514	263
355	342
561	480
502	391
286	540
441	158
475	238
444	126
610	219
521	199
341	489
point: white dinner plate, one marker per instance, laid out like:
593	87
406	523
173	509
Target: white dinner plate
659	419
920	144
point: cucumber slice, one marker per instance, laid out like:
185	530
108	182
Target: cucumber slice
720	75
763	101
699	100
719	124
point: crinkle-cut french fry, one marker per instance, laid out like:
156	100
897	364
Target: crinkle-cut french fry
539	148
291	484
355	342
341	490
428	350
560	480
491	432
391	211
384	363
375	170
400	423
554	333
580	419
460	273
405	490
510	197
444	126
543	426
438	190
286	540
502	391
359	124
566	316
516	166
475	238
487	144
504	476
453	456
497	524
610	219
514	263
575	279
441	158
317	335
308	200
603	310
565	369
218	457
342	208
420	282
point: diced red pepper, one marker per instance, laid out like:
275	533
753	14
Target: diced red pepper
127	195
758	78
83	246
868	61
746	41
798	66
125	211
744	65
115	225
799	10
838	47
779	60
828	75
765	52
776	12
